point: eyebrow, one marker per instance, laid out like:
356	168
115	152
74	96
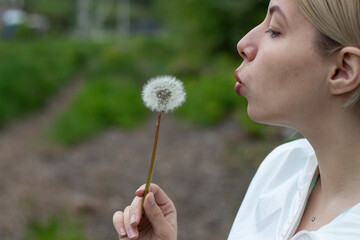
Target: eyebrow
276	8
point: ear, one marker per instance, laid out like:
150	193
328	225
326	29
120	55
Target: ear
346	74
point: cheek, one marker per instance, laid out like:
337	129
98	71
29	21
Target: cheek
285	71
280	87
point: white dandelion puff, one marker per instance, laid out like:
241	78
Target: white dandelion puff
163	93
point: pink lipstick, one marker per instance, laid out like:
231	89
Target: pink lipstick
238	85
238	88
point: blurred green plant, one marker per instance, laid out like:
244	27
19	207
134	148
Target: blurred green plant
142	57
116	70
55	229
114	77
31	72
210	94
111	94
60	13
212	25
102	103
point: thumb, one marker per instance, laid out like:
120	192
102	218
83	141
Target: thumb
155	215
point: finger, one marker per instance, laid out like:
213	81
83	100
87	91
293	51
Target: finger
135	211
160	196
140	191
155	215
131	231
118	220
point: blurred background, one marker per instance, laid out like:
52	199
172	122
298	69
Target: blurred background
75	137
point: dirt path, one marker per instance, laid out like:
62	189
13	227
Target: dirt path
23	174
205	171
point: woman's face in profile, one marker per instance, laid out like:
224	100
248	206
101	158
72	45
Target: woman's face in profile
283	75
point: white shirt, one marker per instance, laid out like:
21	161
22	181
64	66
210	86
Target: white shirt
276	199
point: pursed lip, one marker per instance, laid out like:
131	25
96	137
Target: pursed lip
239	84
236	73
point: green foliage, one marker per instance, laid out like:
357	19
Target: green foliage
116	73
60	13
140	58
102	103
194	44
211	24
115	59
24	32
210	96
55	229
111	95
190	46
31	72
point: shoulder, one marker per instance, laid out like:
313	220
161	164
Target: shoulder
286	159
296	149
272	190
282	169
281	172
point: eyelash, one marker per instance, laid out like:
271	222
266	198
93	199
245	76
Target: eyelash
273	33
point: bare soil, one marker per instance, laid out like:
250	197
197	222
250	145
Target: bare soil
206	172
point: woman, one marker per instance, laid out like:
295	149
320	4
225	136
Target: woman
301	69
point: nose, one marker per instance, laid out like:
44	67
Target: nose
247	46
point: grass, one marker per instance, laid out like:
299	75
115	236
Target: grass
111	94
31	72
55	229
209	99
35	70
102	103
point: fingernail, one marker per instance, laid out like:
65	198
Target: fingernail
122	231
152	200
132	219
132	233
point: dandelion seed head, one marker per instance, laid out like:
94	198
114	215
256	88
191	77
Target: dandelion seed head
163	93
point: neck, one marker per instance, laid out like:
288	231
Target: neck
337	148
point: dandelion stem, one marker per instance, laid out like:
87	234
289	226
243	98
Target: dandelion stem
151	168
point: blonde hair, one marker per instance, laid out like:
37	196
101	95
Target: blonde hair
338	23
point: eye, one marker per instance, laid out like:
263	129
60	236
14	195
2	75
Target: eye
273	33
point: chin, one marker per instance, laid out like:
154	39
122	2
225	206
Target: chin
263	117
256	115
